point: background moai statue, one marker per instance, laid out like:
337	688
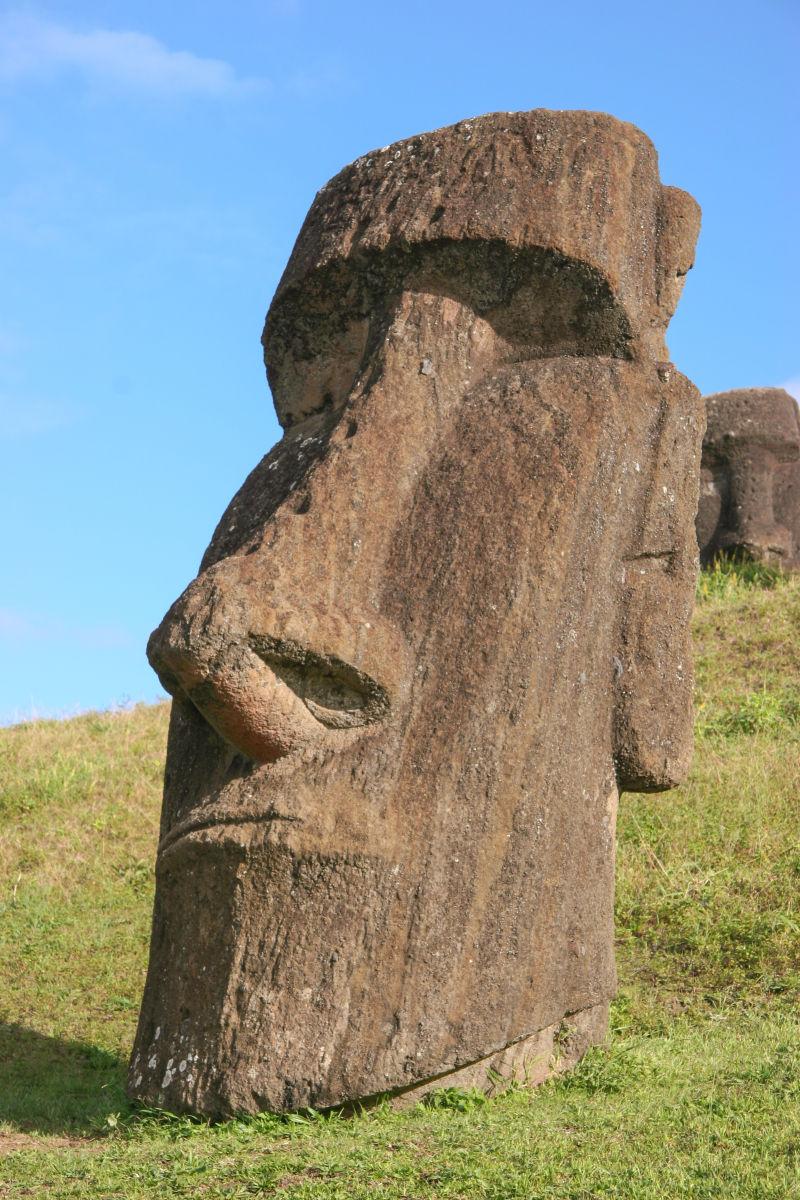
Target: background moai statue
443	622
750	484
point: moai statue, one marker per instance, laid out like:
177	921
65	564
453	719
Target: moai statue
443	623
750	481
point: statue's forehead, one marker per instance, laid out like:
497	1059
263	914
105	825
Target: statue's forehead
564	200
767	415
567	181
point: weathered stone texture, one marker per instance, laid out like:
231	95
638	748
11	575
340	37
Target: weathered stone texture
750	489
442	624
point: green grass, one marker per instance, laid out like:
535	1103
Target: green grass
697	1093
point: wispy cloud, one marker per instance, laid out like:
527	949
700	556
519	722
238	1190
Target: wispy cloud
16	627
28	418
120	59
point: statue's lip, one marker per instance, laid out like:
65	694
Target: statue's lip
214	820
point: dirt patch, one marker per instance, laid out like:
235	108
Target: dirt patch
10	1143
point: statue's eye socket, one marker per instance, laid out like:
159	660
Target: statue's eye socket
337	694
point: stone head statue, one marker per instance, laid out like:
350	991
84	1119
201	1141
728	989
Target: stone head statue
750	491
441	625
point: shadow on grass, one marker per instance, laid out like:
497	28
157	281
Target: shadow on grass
52	1086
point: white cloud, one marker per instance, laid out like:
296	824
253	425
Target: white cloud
28	418
121	59
792	386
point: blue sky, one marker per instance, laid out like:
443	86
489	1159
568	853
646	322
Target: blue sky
156	162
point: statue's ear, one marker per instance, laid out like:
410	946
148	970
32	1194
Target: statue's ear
652	667
653	680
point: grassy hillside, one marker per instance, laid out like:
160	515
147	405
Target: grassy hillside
696	1095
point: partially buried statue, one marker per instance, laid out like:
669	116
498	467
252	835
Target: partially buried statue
750	490
443	623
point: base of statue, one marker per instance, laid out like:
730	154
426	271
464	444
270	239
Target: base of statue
526	1062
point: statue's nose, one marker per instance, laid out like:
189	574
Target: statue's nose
274	679
233	688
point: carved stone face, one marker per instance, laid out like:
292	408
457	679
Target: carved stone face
750	490
442	622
